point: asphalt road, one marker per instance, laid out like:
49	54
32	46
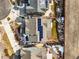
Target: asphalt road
4	8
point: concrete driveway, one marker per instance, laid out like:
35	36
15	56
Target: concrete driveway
4	8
